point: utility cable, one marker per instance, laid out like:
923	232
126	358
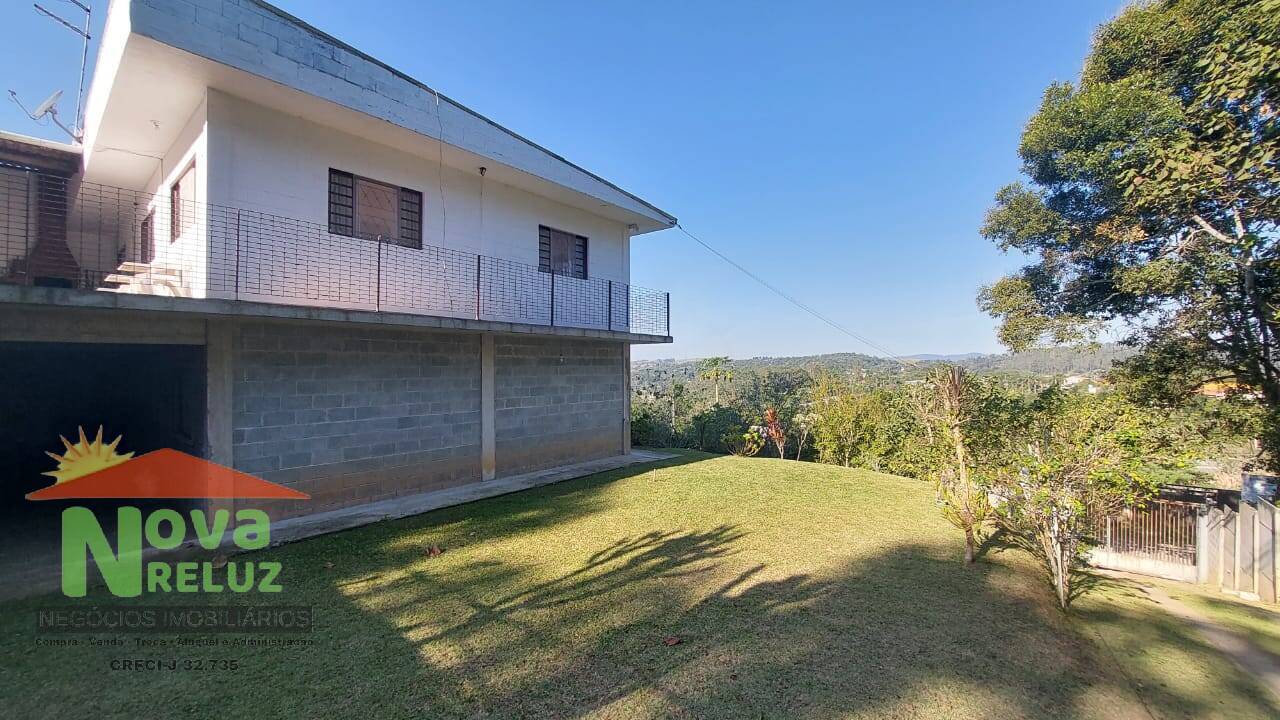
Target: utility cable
905	362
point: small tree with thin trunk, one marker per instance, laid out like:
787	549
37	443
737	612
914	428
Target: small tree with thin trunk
774	430
804	425
677	393
956	409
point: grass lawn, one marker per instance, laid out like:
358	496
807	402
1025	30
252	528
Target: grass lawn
795	590
1260	623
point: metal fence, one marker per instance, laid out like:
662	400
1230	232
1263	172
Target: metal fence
1158	539
62	232
1203	535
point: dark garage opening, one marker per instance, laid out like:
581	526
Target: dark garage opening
152	395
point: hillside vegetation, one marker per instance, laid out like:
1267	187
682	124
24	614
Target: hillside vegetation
1042	362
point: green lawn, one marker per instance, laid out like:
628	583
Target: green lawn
796	591
1260	623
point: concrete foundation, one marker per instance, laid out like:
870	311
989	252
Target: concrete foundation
557	402
361	415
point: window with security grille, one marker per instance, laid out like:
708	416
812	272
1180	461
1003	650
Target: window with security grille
562	253
182	208
372	210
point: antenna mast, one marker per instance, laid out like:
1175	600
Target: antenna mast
77	126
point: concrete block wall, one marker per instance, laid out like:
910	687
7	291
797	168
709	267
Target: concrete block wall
556	401
355	415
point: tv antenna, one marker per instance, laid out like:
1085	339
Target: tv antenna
50	106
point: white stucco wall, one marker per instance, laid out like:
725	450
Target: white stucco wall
187	254
276	163
269	162
111	44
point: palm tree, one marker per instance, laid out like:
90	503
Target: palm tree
716	369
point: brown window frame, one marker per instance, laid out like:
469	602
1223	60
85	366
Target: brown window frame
175	202
578	255
344	210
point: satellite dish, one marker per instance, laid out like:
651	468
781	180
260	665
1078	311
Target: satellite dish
47	105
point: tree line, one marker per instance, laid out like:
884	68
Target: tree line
1150	208
1037	461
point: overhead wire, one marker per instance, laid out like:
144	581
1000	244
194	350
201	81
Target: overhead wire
905	362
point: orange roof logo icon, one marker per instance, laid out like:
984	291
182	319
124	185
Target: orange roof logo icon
92	469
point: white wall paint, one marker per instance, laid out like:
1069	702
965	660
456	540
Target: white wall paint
266	160
189	252
111	44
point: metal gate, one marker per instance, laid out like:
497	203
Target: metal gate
1159	539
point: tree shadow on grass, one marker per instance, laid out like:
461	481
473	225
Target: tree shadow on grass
1083	580
670	622
1238	607
655	626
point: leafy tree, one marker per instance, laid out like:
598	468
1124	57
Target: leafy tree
783	390
1154	201
710	427
847	422
1079	458
748	443
716	369
647	425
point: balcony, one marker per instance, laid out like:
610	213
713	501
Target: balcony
59	232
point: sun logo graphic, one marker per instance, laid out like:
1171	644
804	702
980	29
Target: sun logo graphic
84	457
95	469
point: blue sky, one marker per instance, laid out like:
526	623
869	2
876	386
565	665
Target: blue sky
844	151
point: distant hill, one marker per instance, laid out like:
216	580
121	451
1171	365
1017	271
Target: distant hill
930	357
1053	361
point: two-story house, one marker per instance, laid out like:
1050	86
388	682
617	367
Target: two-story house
276	252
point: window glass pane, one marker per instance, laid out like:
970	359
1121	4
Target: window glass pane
544	248
561	252
182	209
342	203
376	210
410	218
580	257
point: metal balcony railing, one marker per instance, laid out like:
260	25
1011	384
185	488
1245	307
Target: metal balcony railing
63	232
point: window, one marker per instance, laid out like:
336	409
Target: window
368	209
182	211
562	253
147	239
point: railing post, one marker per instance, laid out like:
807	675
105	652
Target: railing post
668	304
237	271
553	297
377	280
609	308
479	259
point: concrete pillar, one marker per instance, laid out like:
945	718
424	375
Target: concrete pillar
219	374
626	398
488	453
